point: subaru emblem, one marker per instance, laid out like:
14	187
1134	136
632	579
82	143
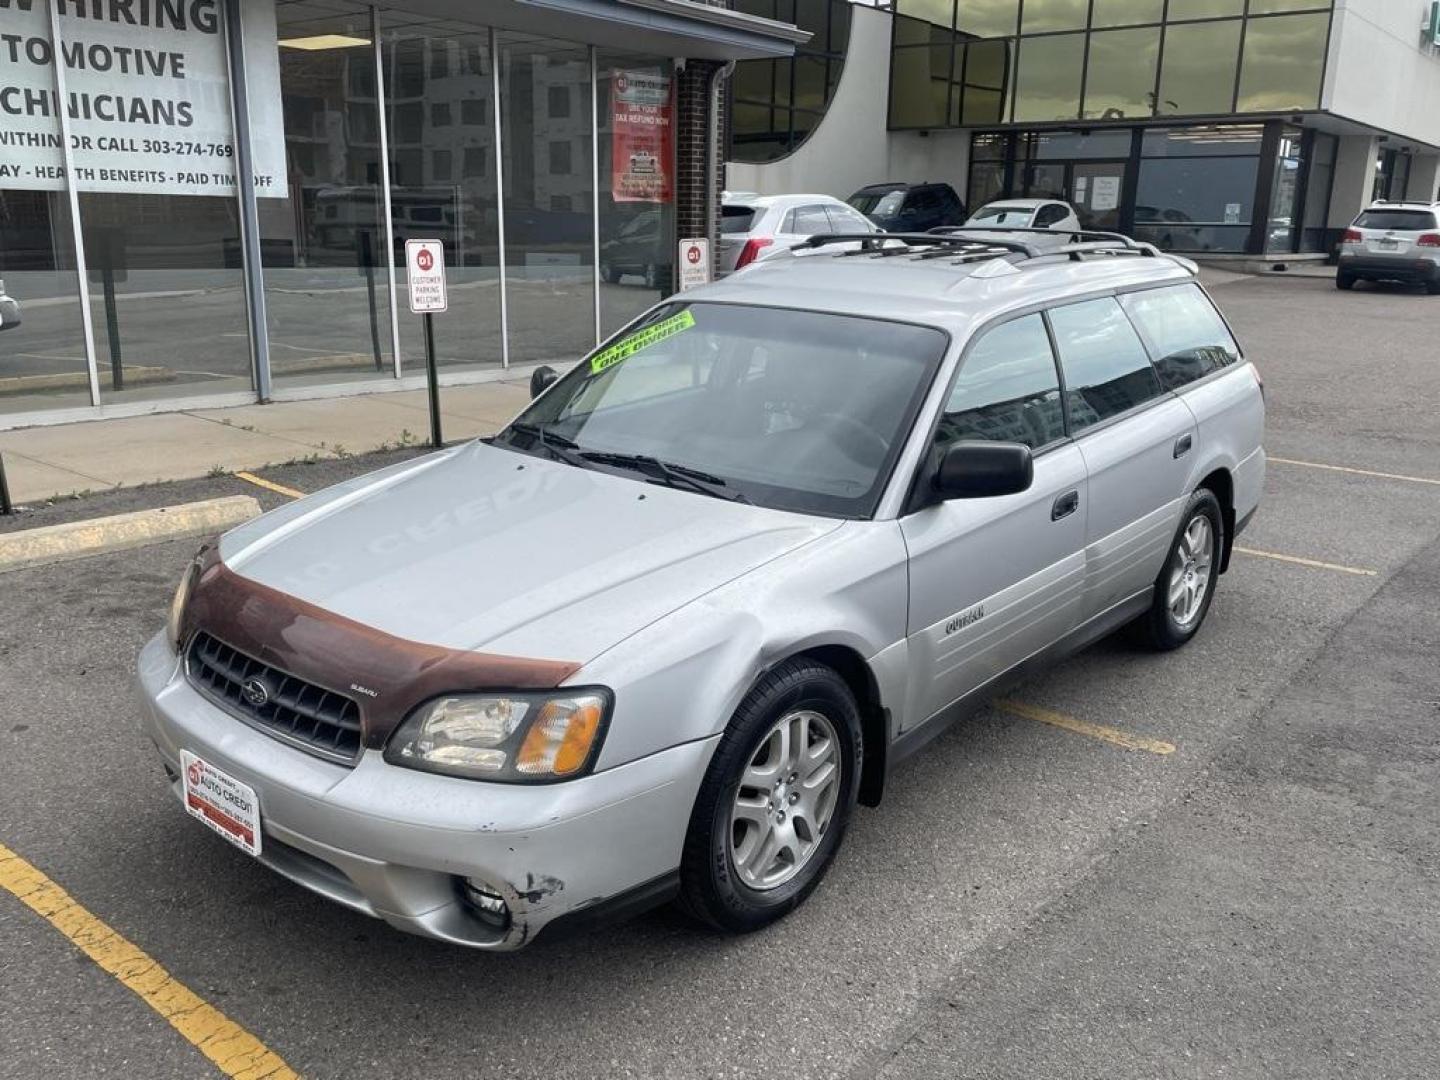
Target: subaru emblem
255	693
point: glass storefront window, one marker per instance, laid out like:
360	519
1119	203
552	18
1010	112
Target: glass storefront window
637	227
1121	81
1196	204
1269	7
1047	84
1317	192
1285	191
939	12
1197	76
323	245
442	184
42	340
1044	16
549	260
1283	64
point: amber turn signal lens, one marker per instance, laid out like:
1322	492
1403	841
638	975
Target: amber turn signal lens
561	737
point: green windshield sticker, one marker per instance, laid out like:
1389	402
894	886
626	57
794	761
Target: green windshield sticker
643	339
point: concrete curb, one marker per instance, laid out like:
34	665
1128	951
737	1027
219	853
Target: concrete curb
81	539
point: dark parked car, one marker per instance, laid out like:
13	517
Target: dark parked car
909	207
640	250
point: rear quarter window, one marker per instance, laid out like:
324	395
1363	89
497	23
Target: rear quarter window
1184	331
736	219
1398	220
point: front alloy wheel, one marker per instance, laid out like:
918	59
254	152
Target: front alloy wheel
786	800
776	798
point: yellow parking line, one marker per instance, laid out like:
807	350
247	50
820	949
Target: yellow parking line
1081	727
269	485
1314	564
235	1052
1356	472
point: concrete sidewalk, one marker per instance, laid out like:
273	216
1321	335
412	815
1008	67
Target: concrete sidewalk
45	462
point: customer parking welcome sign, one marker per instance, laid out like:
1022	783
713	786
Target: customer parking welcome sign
146	92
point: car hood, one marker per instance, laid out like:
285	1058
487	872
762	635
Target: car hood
482	548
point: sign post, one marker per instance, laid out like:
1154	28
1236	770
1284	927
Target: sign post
694	263
425	271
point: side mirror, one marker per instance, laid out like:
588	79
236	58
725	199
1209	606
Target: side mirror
981	470
540	380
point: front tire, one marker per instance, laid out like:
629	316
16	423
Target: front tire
776	799
1186	584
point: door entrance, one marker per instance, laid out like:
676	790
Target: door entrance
1094	188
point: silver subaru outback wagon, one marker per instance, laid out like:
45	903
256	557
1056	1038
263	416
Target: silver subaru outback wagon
659	636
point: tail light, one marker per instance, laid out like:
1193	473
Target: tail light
1430	239
1353	236
751	251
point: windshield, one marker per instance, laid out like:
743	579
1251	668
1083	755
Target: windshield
793	410
1398	220
877	202
1002	215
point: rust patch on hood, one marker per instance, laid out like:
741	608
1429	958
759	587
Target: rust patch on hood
335	653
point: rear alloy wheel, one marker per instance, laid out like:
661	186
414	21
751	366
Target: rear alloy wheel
1186	584
775	800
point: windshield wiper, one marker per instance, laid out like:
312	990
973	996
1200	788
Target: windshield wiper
667	473
560	447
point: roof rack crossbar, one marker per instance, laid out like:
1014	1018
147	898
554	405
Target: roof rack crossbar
928	239
962	245
1076	235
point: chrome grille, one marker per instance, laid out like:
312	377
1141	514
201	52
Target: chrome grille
292	710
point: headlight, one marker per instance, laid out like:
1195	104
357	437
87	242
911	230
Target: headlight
176	620
514	737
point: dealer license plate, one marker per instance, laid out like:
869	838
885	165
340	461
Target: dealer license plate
1389	245
222	802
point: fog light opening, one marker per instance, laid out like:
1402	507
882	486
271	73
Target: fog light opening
485	904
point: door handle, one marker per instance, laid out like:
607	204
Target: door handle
1065	505
1183	445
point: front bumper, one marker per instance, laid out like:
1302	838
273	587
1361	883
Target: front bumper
395	843
1391	268
9	313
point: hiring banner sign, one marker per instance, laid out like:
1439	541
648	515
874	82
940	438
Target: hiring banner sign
642	136
147	94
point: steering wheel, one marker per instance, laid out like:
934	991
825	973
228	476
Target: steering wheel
862	442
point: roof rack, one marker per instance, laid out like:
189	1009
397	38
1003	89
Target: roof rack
967	243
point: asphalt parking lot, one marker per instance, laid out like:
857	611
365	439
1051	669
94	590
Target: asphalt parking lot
1048	891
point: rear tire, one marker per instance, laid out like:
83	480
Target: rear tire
776	799
1186	583
1433	286
1345	281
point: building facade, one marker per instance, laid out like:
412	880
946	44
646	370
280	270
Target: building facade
206	202
1215	127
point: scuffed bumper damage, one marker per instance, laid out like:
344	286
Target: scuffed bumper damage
401	845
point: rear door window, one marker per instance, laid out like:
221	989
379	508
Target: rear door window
1396	220
1007	389
806	221
845	220
1186	334
736	219
1105	365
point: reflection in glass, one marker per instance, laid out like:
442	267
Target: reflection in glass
1267	7
442	185
637	231
1126	12
1121	80
1284	63
918	92
323	245
986	72
987	18
1048	83
1284	191
987	181
1204	9
1196	204
548	198
1198	73
939	12
1317	192
1202	141
42	340
1042	16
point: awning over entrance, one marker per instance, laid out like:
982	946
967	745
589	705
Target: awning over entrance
664	27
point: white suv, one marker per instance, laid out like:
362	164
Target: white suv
1393	242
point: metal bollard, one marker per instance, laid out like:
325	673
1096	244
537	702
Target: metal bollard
6	508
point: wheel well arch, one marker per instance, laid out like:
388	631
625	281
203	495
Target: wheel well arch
874	717
1222	485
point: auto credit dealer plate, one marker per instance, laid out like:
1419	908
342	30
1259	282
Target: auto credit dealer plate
222	802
